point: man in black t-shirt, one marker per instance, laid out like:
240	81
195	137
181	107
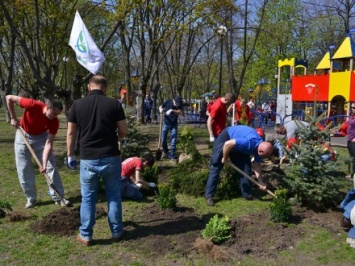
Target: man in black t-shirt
171	110
98	119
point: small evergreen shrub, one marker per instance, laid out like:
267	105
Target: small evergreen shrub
186	141
4	204
280	208
217	229
150	174
166	197
136	143
5	207
190	176
311	180
228	184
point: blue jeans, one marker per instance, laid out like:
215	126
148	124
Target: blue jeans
90	172
242	161
347	211
173	137
130	191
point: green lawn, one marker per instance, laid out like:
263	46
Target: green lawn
20	246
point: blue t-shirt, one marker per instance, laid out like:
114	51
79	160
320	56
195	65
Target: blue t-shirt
171	119
247	140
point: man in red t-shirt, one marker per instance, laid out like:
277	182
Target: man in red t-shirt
211	102
217	119
242	112
131	176
40	125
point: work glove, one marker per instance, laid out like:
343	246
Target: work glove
168	112
139	185
212	139
152	185
72	162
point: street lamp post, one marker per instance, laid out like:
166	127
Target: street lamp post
221	32
65	60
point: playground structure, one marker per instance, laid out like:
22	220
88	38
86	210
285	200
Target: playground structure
331	88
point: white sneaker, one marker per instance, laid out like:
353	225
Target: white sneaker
63	203
164	156
30	204
350	241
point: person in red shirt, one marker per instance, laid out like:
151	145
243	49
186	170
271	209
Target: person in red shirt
217	119
242	112
211	102
40	125
131	176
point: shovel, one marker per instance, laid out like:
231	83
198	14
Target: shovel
159	152
39	165
250	178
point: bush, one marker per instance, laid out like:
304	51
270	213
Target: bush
136	143
311	180
166	197
5	207
186	142
280	208
217	230
4	204
150	174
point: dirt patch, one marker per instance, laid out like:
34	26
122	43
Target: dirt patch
163	232
64	222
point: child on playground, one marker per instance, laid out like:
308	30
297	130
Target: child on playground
131	176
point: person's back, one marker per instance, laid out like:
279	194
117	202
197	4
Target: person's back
293	126
98	119
97	116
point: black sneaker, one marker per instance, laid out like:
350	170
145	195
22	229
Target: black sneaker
210	202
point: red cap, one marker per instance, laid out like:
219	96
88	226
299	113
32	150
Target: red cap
260	132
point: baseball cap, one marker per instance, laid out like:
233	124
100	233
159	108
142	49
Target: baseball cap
178	101
260	132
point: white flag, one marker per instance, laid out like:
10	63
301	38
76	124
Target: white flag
87	52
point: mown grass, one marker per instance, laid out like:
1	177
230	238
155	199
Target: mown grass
20	246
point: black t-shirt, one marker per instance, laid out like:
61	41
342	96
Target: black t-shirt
96	117
171	119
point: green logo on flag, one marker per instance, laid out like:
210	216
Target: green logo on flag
80	44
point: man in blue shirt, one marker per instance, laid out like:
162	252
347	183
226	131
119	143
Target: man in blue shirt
237	143
171	109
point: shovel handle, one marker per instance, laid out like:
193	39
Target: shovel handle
250	178
160	128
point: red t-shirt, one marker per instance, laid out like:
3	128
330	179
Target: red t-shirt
209	107
130	165
33	121
239	111
219	115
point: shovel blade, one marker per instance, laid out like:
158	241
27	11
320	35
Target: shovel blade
158	155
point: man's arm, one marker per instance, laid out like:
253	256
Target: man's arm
258	174
11	100
227	147
137	178
209	127
122	129
71	137
46	151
